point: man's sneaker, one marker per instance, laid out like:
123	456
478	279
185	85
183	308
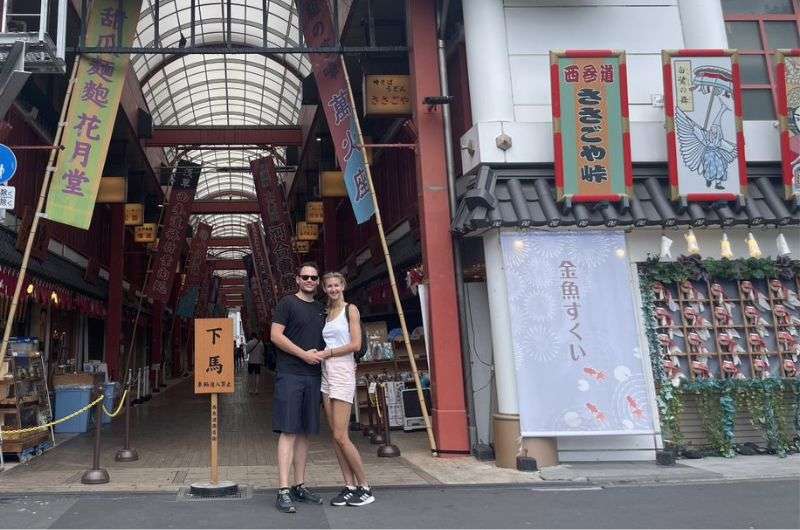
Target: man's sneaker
284	502
361	497
343	496
300	493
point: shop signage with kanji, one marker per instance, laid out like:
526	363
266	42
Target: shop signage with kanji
195	271
705	140
112	190
134	214
331	184
302	247
254	296
261	279
173	235
91	112
145	233
387	95
314	212
337	101
277	224
7	197
213	356
788	73
590	125
307	231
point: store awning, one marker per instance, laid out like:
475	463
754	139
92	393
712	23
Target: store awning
526	197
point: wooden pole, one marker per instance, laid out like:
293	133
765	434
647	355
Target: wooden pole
214	442
48	175
392	282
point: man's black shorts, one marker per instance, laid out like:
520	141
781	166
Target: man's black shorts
253	368
296	403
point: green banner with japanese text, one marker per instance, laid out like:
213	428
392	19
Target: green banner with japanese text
91	113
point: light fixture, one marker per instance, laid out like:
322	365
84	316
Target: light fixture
620	252
519	245
783	246
54	297
318	138
752	246
725	247
29	290
691	243
666	245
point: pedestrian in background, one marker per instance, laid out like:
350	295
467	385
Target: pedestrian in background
254	353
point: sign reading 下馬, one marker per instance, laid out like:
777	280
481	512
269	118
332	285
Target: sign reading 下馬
213	356
580	368
8	164
337	100
277	224
173	233
315	212
705	143
387	95
134	214
788	72
91	112
590	125
195	271
7	197
145	233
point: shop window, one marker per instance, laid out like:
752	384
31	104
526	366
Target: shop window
757	28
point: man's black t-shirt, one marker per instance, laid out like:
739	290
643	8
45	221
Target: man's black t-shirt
304	322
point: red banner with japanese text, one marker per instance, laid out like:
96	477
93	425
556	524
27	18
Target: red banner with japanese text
261	281
277	224
195	271
173	236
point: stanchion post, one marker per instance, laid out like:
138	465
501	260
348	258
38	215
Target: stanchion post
126	454
96	475
388	449
376	438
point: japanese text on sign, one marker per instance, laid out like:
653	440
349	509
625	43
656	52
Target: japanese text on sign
213	346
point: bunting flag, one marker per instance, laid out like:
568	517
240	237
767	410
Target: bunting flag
91	111
336	95
176	221
278	225
195	271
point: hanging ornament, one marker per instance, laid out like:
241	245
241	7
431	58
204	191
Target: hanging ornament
783	246
691	243
725	247
752	246
666	244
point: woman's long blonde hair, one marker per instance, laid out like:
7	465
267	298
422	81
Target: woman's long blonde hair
339	276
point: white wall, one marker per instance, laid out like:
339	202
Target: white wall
642	28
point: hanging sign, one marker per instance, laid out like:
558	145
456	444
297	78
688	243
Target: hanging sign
788	73
337	101
134	214
580	368
213	356
91	112
261	280
307	231
590	125
302	247
315	212
331	184
387	95
195	271
112	190
705	142
8	164
145	233
277	224
173	236
254	295
7	197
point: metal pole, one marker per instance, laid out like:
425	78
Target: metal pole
388	449
43	8
96	475
126	454
457	263
61	29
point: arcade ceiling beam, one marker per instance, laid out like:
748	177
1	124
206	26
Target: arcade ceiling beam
223	206
226	264
218	136
229	242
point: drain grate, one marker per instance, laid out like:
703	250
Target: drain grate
245	492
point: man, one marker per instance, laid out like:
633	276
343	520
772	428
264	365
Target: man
255	358
297	334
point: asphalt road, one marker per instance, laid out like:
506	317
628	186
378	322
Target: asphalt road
751	504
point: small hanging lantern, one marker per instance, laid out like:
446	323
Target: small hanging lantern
666	245
725	247
783	246
691	243
752	246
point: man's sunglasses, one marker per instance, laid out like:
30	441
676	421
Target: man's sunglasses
307	277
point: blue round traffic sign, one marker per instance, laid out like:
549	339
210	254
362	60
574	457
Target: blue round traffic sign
8	164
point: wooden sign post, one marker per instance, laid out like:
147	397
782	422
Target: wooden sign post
214	374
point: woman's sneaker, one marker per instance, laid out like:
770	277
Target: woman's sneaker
343	496
361	497
284	501
300	493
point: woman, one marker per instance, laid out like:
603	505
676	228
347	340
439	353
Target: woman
342	334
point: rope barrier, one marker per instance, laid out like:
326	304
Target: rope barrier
56	422
119	407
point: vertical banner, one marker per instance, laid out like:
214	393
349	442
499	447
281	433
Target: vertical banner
91	112
173	235
703	107
277	223
202	298
261	277
195	271
592	150
252	300
337	100
580	369
788	73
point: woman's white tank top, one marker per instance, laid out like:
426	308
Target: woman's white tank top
337	332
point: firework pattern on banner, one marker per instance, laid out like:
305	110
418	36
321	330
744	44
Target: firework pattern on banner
575	336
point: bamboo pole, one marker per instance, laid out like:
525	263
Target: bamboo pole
48	175
392	282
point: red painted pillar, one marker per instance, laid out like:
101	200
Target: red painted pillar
447	379
330	242
116	267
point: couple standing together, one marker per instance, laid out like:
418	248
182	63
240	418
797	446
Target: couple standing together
315	346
